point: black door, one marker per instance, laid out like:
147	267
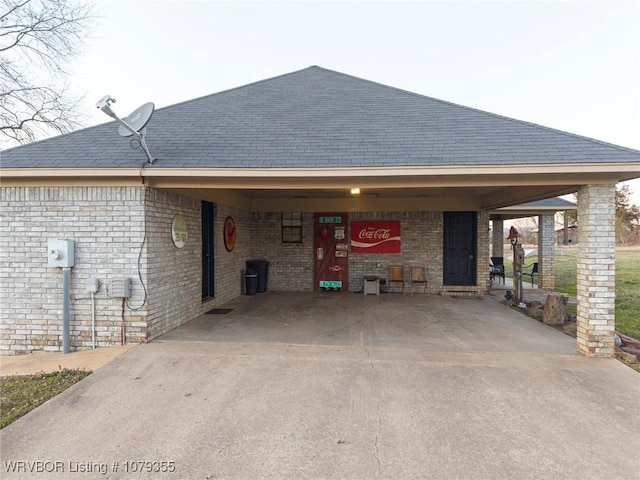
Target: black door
208	245
459	248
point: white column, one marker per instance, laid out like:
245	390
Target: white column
482	252
596	270
498	238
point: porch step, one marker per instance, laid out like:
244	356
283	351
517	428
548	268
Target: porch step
459	291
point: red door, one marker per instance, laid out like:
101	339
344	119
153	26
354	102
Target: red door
331	252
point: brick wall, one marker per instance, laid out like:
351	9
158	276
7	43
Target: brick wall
421	234
174	287
108	227
596	270
175	274
230	266
291	265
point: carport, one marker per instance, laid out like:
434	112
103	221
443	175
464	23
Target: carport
283	165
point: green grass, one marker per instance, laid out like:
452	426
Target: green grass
22	393
627	283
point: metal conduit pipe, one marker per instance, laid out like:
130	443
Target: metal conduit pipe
93	319
66	301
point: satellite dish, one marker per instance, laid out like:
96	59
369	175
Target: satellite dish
137	120
134	124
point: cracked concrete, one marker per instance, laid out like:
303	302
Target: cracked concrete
378	433
347	386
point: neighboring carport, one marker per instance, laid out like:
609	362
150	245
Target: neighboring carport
545	210
595	267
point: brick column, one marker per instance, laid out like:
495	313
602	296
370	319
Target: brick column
498	238
546	244
482	252
596	270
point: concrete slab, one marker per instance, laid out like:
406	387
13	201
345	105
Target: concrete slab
368	399
431	322
50	362
529	292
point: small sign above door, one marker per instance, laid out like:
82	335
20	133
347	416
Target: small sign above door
330	220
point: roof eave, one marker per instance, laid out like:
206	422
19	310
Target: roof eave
631	168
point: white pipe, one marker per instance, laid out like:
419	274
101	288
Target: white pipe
93	319
123	333
66	297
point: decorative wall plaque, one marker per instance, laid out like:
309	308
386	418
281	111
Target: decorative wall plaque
179	233
229	234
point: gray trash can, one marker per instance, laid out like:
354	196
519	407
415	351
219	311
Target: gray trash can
261	267
251	282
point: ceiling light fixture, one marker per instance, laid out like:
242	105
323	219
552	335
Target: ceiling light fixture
355	191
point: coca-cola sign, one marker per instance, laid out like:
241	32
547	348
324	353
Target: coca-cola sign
374	236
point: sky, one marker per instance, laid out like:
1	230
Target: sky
570	65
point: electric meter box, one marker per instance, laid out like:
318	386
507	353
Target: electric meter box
120	288
60	253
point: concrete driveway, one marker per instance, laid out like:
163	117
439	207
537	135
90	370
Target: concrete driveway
343	386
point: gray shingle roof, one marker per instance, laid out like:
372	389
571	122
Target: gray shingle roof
319	118
550	202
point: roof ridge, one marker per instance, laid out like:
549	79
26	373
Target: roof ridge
372	82
494	140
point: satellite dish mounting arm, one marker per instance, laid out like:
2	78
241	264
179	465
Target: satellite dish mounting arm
104	104
140	137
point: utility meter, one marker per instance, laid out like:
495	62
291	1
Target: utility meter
60	253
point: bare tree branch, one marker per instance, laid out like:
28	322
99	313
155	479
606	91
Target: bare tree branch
37	40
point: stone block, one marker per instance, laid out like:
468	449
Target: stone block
555	309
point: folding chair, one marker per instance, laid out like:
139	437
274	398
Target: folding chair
533	272
396	275
497	268
418	278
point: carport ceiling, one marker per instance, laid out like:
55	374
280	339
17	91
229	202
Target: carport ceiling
375	198
445	188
